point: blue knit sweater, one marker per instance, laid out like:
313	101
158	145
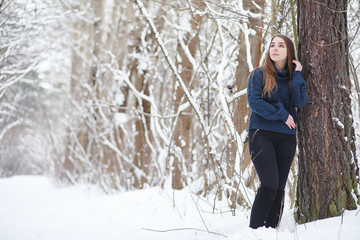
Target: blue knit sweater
271	113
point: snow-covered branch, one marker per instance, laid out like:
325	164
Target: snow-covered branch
11	82
172	65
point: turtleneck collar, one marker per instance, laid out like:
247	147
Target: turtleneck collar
282	75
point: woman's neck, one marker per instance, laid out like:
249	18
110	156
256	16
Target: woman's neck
280	65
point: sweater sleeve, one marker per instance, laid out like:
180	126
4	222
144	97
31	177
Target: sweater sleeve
298	95
267	110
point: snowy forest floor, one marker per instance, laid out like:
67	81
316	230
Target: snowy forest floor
33	208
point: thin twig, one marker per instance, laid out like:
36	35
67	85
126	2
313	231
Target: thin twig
184	229
342	219
2	9
202	219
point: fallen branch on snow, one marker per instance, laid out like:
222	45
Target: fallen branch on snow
184	229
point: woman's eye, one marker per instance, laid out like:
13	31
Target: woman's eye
281	45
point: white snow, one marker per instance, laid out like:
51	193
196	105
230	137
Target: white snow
339	123
120	118
32	208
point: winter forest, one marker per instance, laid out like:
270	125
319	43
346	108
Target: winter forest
135	94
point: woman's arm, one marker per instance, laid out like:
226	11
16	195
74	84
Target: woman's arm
298	95
269	111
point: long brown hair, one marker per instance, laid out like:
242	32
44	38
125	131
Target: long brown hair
269	68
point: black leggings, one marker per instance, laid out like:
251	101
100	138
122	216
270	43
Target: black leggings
272	154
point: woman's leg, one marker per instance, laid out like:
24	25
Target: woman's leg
274	216
261	206
285	152
263	156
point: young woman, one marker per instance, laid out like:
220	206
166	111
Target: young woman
274	91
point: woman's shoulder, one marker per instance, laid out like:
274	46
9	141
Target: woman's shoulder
258	70
257	73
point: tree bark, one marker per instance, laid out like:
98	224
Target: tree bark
70	167
182	135
327	155
241	110
142	157
273	22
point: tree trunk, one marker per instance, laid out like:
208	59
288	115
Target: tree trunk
70	167
182	134
241	110
273	22
327	156
140	151
89	125
142	158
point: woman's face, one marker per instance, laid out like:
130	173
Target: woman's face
278	50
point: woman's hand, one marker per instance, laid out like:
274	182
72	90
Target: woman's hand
298	65
290	122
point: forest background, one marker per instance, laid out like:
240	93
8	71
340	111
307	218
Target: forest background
131	94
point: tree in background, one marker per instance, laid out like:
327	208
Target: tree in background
328	164
171	69
33	66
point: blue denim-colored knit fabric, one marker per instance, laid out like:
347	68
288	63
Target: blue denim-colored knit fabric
271	113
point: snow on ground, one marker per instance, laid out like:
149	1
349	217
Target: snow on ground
32	208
